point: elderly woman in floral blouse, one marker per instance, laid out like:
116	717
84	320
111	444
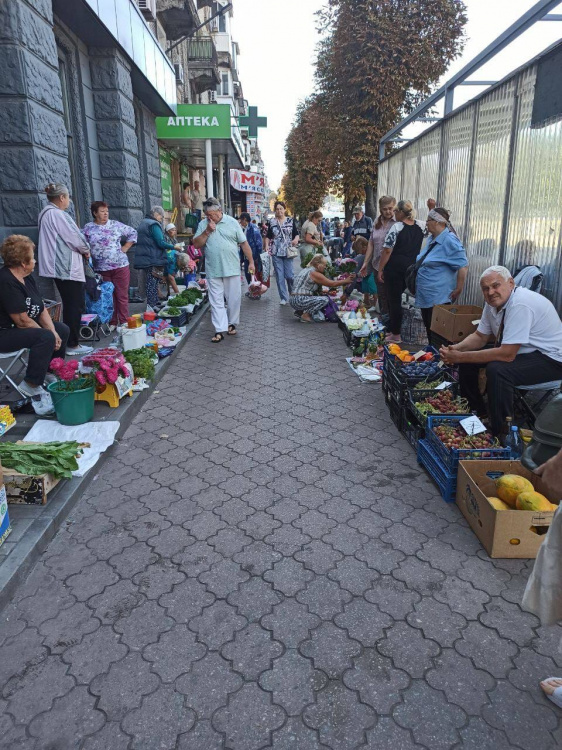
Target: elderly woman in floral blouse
109	241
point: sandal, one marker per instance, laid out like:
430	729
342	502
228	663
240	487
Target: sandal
217	338
232	330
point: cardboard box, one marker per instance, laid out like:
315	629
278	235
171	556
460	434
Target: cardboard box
454	322
503	533
5	527
26	489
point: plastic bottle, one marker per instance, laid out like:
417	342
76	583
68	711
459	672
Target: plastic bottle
514	442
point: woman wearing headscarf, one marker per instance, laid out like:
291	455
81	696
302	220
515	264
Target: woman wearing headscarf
442	274
401	247
62	252
282	234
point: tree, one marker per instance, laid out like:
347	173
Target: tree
377	61
309	158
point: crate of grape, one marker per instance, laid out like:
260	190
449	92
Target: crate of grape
452	444
444	402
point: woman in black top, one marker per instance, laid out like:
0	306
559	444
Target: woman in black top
401	248
24	322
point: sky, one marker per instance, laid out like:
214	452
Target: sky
277	51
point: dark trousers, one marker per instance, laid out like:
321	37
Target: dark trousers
41	345
502	379
73	305
381	291
395	285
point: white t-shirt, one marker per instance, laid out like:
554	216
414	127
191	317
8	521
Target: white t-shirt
530	320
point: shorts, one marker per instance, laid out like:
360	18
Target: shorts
369	285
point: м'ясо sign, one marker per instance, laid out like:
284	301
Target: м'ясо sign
196	121
247	182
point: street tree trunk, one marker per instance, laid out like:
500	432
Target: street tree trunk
370	203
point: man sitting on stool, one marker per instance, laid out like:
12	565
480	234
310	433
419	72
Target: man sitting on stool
518	341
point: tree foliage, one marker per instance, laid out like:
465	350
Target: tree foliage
377	60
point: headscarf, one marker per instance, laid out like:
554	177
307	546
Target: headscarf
436	216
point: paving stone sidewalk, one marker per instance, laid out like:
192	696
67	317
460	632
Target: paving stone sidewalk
262	564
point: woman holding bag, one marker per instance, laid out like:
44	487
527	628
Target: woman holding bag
282	238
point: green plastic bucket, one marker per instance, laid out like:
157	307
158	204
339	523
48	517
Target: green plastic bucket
73	407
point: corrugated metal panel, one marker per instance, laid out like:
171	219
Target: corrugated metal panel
382	180
489	185
458	136
410	173
394	183
535	217
430	150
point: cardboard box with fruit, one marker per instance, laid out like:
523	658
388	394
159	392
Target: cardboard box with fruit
507	506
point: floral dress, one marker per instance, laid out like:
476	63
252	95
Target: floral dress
105	244
305	296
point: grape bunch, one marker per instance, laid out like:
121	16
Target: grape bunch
425	386
454	437
443	402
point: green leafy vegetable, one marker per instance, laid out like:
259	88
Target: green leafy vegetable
142	361
58	459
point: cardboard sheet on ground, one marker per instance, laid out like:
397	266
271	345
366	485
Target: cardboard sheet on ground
367	374
100	435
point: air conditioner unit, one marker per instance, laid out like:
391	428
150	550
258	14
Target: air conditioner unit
148	8
178	67
212	97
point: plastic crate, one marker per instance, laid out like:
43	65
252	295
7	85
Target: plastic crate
450	457
176	321
414	397
446	481
411	427
396	413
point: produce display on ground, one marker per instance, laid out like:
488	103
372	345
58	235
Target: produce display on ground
57	458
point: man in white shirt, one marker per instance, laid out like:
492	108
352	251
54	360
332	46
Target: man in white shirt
518	341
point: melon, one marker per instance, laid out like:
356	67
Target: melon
533	501
510	486
498	504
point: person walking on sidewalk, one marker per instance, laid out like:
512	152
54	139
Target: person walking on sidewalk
109	242
63	251
255	241
283	234
385	220
222	236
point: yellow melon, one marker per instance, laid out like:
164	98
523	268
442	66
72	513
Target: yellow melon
510	486
533	501
498	504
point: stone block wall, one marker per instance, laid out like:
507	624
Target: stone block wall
33	147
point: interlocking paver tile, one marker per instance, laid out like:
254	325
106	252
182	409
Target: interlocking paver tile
271	576
248	719
339	717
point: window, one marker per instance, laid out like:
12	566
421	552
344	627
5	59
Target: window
221	20
68	121
225	85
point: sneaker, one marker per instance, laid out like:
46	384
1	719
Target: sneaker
391	338
283	302
79	350
40	399
50	378
112	328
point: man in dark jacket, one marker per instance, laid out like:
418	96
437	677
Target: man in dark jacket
255	241
363	225
150	253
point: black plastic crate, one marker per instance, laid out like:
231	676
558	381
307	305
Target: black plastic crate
450	457
176	321
396	413
411	427
445	480
414	397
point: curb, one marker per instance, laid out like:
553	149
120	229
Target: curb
16	567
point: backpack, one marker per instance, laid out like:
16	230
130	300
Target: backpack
529	277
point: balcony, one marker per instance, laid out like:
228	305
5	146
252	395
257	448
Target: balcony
202	64
178	17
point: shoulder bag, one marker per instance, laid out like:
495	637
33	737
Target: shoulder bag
413	270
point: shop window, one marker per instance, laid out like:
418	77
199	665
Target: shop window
69	122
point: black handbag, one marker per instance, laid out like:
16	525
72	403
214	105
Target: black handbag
412	271
547	436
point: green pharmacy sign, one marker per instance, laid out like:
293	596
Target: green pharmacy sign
200	121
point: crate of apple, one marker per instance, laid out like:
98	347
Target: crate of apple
452	444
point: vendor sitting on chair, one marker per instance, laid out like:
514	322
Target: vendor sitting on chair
518	341
24	322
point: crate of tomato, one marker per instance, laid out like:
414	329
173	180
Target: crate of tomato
452	444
